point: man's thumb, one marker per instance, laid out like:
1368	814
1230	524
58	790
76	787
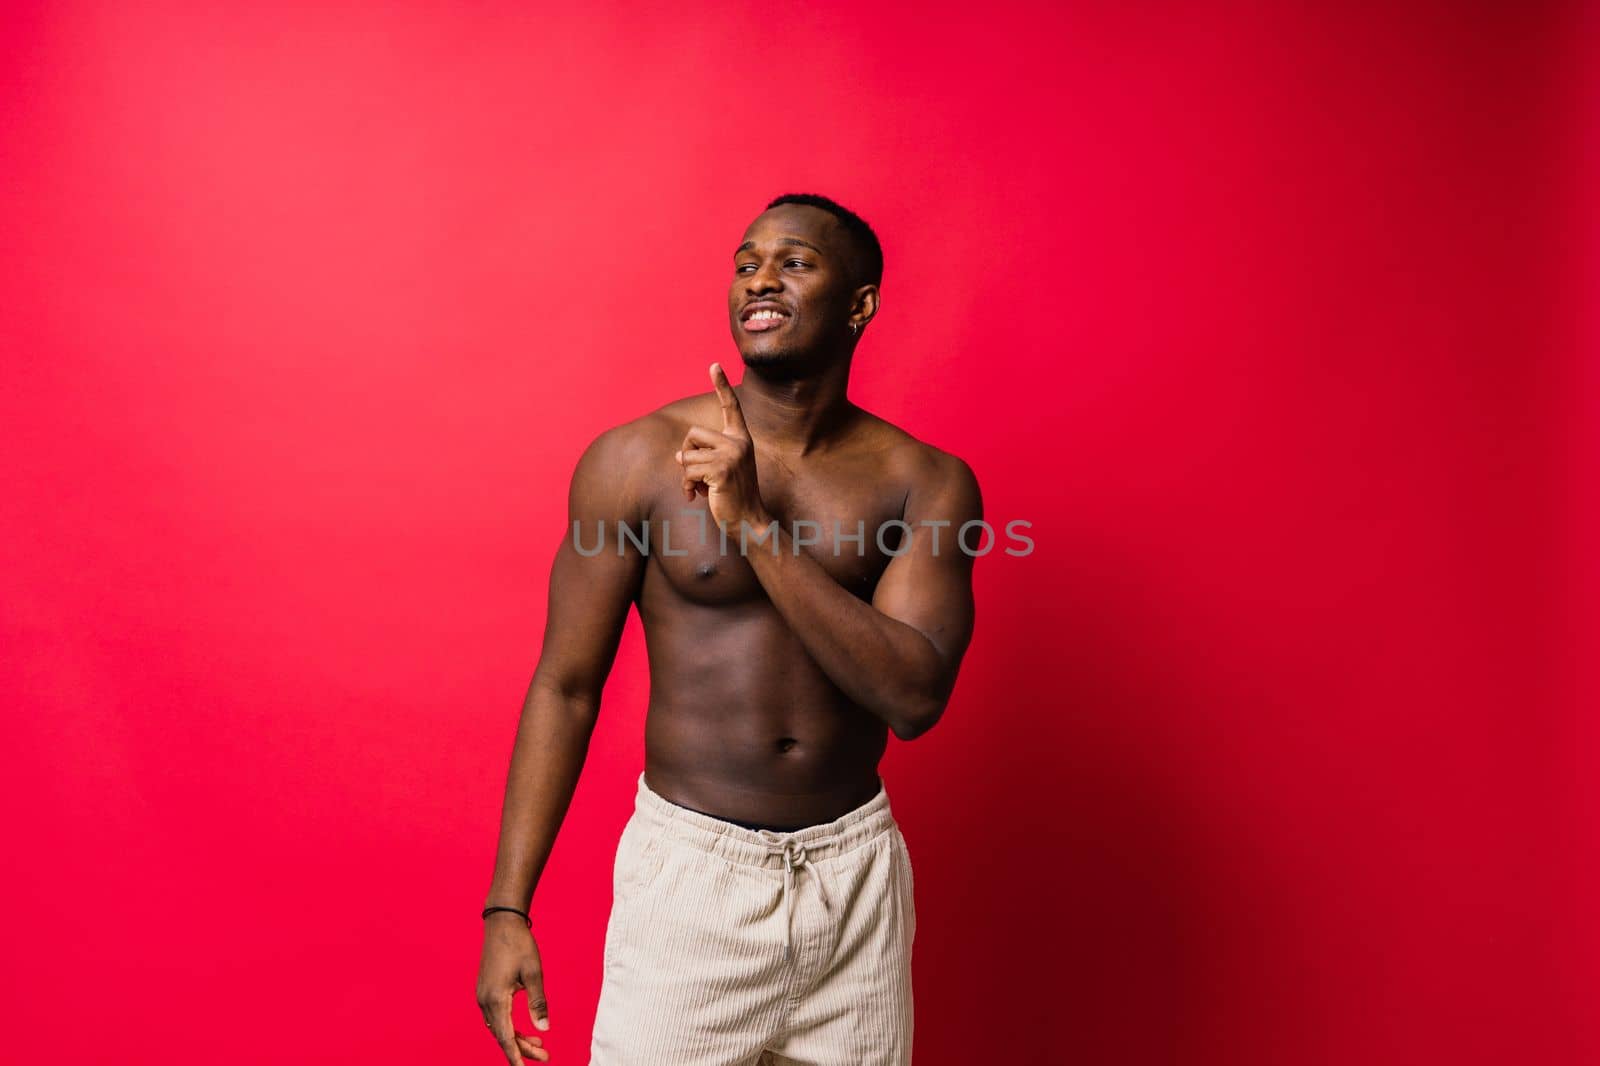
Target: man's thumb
538	1009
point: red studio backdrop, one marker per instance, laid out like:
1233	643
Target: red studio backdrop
1267	317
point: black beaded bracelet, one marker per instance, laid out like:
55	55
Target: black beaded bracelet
523	914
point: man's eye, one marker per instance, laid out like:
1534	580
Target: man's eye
795	262
746	266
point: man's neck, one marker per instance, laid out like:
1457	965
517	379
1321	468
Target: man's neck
797	416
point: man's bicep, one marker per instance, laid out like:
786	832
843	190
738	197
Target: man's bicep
597	572
588	607
928	586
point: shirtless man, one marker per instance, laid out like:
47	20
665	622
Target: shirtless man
762	908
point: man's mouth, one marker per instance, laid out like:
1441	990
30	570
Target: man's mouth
763	319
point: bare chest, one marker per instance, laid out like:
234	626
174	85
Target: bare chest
842	518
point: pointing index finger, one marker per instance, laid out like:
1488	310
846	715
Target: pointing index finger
732	414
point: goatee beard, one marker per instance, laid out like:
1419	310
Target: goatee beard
780	365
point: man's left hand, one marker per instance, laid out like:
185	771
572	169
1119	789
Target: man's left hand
723	465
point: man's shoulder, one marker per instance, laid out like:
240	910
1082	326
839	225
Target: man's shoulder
644	434
628	461
918	463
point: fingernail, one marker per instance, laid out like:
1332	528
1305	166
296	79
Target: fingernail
543	1024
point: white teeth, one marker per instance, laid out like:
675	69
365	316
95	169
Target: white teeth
764	314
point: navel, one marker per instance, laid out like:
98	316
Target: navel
786	744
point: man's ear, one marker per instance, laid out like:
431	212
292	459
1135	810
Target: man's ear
864	305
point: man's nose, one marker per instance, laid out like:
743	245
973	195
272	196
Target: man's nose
765	279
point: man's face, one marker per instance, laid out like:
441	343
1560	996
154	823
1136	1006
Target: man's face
791	295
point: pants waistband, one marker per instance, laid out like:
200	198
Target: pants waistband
765	847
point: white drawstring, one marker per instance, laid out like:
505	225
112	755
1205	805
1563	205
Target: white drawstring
794	854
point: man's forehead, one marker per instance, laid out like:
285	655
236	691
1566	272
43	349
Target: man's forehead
802	222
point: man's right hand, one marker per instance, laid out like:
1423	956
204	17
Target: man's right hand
511	961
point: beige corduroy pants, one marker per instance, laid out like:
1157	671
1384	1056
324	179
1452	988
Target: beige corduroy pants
730	946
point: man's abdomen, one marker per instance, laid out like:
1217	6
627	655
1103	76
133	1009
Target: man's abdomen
743	724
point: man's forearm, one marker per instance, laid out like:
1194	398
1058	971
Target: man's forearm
546	760
882	664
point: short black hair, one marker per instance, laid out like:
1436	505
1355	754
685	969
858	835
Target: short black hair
869	253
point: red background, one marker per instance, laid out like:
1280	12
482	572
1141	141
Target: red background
1264	316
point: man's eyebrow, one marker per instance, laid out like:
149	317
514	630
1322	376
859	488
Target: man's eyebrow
747	245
